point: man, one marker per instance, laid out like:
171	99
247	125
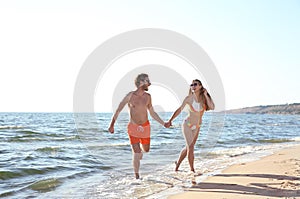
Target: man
139	102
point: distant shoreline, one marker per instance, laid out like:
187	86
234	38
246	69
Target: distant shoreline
284	109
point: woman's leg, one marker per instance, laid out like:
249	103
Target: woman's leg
181	157
191	157
191	149
188	136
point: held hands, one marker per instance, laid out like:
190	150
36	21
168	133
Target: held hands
168	124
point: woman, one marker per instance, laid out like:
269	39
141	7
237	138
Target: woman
198	101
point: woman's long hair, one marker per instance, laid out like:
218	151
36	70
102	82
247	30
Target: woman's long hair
201	96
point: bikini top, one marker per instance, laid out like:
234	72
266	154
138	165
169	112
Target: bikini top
196	106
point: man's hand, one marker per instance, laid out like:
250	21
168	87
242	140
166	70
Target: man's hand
111	129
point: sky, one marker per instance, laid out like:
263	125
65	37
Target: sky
254	45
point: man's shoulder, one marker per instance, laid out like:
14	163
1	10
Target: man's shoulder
148	94
128	95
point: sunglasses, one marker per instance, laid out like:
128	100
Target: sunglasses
194	84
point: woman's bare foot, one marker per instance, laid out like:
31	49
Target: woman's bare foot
137	176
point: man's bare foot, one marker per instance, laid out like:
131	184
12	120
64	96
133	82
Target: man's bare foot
177	166
137	176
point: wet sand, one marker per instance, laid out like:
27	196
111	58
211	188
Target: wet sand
274	176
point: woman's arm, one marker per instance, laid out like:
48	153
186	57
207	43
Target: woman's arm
178	111
210	103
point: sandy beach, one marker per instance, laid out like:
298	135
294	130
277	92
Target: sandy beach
274	176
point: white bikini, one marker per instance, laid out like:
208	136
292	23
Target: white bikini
195	107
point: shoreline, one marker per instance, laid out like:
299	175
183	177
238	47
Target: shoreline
273	176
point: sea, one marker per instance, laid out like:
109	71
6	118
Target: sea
67	155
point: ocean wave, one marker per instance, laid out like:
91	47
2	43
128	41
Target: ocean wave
234	152
41	137
11	127
22	172
29	132
45	185
65	138
98	146
278	140
49	149
4	175
24	139
252	140
7	193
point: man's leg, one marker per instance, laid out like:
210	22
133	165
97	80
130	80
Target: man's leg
136	157
145	144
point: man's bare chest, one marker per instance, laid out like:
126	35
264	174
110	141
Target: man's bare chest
138	101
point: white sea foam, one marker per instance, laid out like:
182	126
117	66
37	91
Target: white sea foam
296	139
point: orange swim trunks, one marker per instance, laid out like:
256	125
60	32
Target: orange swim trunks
139	133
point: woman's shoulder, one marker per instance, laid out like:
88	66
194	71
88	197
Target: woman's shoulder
189	98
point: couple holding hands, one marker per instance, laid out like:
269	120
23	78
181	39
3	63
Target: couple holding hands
139	103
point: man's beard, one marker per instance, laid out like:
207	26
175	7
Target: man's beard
145	88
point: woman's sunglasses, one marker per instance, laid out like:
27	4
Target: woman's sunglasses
194	84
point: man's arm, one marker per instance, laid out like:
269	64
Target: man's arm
153	114
119	109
